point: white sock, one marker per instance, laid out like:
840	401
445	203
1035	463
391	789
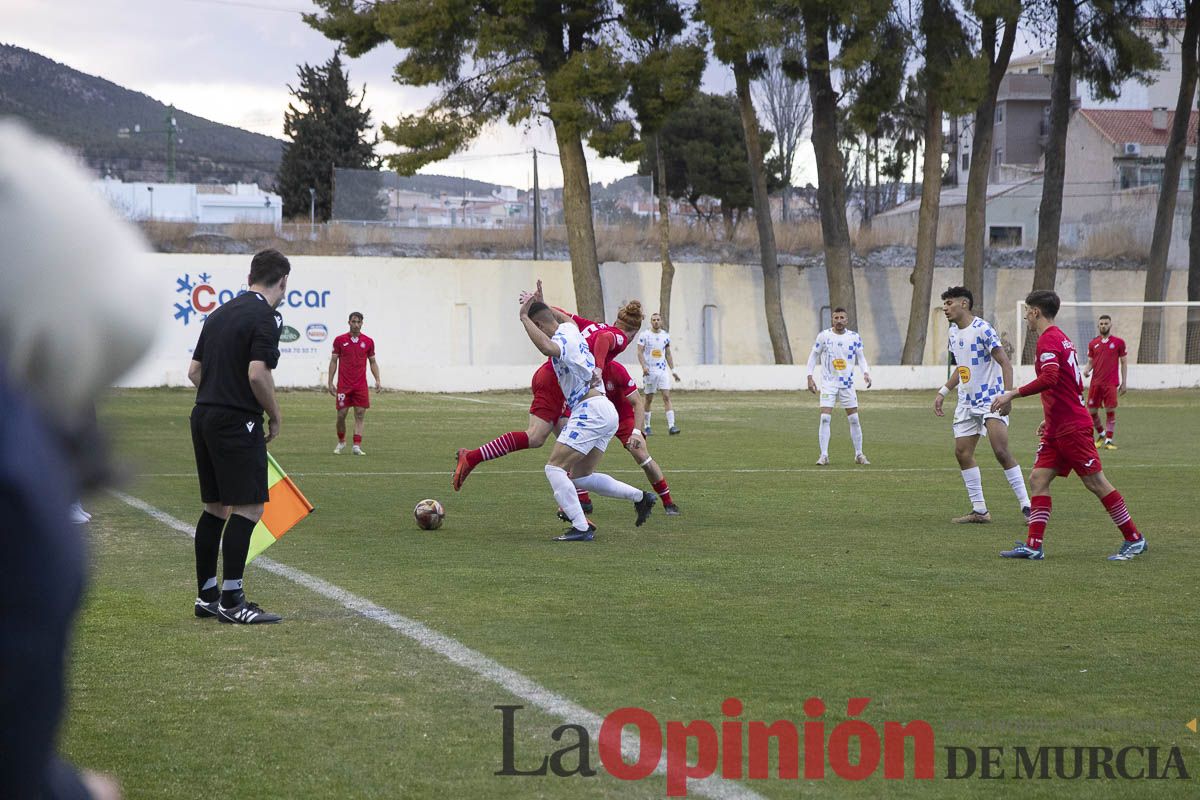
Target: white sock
671	418
974	485
564	493
855	433
1017	482
823	434
647	419
608	486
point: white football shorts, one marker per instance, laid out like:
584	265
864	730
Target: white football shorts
655	381
972	420
591	425
846	396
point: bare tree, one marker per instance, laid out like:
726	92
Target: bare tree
995	21
786	104
1164	219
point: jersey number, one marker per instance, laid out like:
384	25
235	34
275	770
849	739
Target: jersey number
1073	360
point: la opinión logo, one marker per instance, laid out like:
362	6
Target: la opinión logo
733	749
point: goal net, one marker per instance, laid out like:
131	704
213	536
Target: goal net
1154	333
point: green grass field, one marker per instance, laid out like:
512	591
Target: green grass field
781	581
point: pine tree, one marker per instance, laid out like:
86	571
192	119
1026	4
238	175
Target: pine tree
328	127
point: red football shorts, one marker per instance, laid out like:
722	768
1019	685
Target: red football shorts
1071	451
354	398
547	396
1102	396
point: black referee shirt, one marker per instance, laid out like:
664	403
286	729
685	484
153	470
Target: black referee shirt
243	330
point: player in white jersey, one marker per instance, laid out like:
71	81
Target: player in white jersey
982	372
592	424
838	349
658	368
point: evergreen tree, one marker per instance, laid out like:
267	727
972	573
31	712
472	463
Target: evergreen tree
704	155
509	61
664	73
328	129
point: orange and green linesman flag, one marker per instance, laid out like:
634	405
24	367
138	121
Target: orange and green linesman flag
287	506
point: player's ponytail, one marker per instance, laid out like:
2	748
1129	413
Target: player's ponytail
630	315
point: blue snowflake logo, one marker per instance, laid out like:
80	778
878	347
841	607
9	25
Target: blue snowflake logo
184	285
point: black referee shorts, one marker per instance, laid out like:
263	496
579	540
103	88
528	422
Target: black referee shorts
231	456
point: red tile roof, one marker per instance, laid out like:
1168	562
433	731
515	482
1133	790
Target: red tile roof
1135	126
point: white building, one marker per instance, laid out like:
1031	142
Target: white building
190	202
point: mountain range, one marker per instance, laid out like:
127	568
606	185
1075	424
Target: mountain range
121	133
88	114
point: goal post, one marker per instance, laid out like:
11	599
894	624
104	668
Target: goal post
1179	341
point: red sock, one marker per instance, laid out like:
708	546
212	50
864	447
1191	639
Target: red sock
1039	515
1110	424
1115	505
1097	424
342	437
357	440
664	492
584	497
500	446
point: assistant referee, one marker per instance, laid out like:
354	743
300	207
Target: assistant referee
231	368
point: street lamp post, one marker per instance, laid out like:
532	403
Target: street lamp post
312	210
150	189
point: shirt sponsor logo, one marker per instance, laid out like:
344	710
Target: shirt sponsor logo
964	374
316	332
289	334
839	364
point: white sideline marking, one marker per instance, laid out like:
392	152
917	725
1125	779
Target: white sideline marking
508	679
728	471
486	402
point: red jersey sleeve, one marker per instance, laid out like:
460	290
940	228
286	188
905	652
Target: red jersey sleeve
580	322
370	347
1121	348
604	343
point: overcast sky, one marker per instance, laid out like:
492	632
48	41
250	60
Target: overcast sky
231	61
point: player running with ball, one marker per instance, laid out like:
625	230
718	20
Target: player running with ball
1066	433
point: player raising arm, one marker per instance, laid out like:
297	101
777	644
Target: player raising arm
1066	433
593	422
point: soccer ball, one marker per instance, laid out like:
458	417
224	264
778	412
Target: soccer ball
429	514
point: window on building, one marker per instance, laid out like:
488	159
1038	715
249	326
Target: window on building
999	114
999	156
1031	71
966	161
1005	235
1134	173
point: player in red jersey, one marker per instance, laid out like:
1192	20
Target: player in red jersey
1066	433
1105	352
604	340
622	390
544	413
608	341
352	352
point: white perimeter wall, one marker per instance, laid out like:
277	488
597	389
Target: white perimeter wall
451	325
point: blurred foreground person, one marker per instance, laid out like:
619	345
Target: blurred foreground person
66	264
